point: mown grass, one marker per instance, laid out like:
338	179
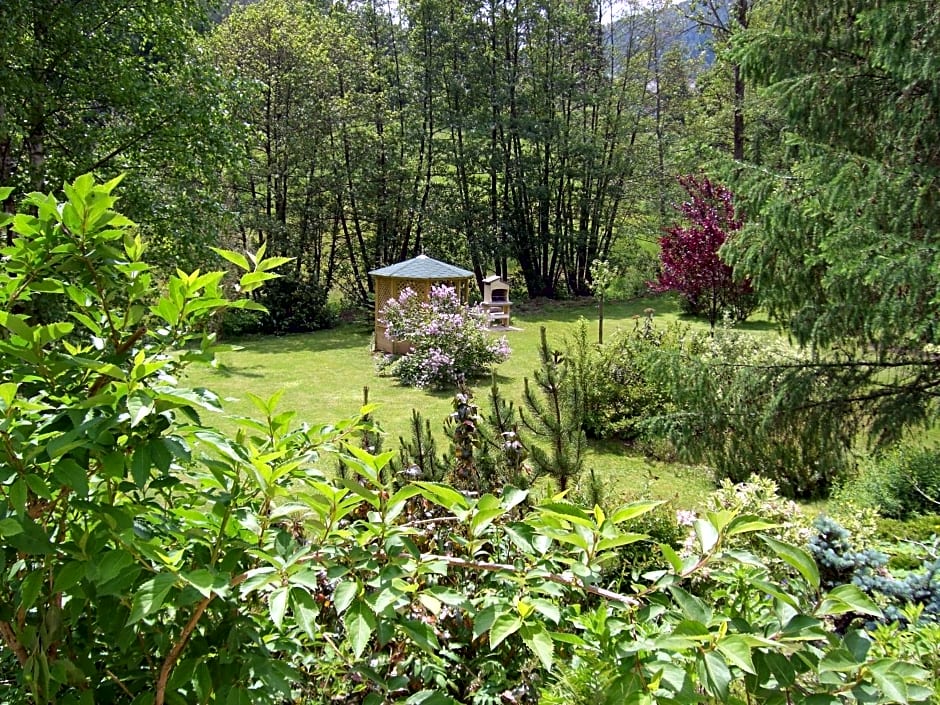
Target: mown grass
322	377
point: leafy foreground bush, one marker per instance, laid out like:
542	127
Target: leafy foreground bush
148	558
449	340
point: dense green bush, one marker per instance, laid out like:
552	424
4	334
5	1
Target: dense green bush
619	396
901	483
292	306
728	411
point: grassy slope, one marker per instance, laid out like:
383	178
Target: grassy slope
322	376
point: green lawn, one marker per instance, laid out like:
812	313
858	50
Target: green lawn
322	376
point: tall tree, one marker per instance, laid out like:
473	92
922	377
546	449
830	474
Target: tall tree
843	245
115	87
286	59
689	255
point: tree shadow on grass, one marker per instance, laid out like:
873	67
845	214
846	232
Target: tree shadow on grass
341	338
759	326
229	371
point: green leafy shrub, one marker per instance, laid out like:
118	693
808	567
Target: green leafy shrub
292	306
911	639
759	497
922	528
660	526
619	396
729	412
902	483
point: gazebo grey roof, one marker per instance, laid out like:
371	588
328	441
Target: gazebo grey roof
422	267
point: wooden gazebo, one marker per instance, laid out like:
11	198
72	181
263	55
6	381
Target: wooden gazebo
418	274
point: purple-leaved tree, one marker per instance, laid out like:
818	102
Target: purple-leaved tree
689	259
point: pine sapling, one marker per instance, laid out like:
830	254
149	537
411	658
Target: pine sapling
552	414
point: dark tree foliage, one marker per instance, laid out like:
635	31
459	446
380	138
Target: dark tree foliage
689	255
842	245
111	87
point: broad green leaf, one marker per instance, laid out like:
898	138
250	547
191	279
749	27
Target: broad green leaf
446	496
505	625
746	524
737	651
429	697
343	595
795	557
512	496
69	473
149	597
839	660
141	464
482	519
139	406
632	511
69	575
547	609
252	280
484	619
706	533
692	607
8	393
421	634
29	589
670	555
236	258
847	598
360	623
206	582
538	639
17	325
715	675
448	596
277	604
891	684
775	591
273	263
305	610
622	540
569	512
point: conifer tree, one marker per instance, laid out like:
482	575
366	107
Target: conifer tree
842	243
552	414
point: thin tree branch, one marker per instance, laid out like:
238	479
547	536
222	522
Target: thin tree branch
9	637
570	581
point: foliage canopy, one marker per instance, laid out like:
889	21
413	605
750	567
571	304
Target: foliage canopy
148	558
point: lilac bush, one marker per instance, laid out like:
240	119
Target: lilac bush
450	341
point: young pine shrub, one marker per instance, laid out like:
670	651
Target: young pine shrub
553	416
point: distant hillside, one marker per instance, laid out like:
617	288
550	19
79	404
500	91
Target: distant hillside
675	26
